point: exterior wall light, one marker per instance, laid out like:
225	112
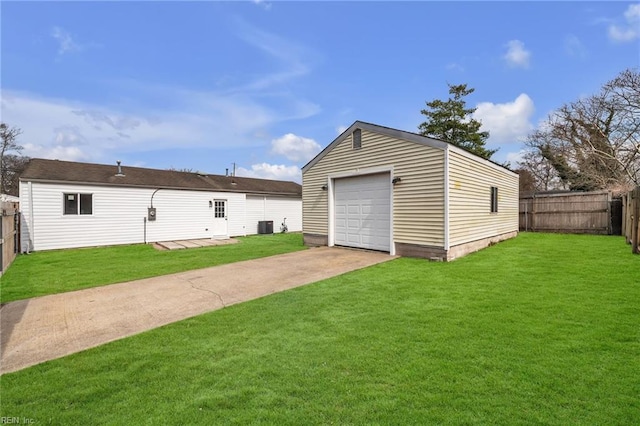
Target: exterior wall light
325	187
396	180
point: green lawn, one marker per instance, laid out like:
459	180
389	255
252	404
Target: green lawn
57	271
541	329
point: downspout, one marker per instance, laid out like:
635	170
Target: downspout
331	240
31	239
446	200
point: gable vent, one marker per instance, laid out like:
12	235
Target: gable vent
356	137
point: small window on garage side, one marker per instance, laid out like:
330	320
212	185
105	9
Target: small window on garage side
494	199
75	203
357	138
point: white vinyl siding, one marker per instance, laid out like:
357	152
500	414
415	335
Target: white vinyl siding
280	207
118	216
255	213
470	216
418	210
273	208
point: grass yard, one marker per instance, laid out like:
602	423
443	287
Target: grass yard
541	329
57	271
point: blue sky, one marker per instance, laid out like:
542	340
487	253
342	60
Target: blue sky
267	85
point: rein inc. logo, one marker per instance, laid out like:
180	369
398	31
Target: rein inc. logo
16	420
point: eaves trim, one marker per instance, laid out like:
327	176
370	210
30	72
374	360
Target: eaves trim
177	188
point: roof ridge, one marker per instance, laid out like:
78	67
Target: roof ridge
46	170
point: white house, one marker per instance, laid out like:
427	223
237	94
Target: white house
69	204
385	189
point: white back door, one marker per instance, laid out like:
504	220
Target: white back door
220	223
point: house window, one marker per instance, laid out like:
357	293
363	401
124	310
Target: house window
494	199
357	138
78	203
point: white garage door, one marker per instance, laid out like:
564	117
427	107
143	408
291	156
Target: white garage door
363	211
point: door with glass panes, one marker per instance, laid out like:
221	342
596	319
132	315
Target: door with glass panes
220	228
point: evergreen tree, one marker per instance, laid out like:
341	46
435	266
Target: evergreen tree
451	121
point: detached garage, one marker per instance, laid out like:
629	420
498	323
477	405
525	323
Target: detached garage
385	189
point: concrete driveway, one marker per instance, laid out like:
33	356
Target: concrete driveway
44	328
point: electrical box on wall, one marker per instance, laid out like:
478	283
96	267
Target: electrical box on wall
151	214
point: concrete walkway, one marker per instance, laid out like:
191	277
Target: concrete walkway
44	328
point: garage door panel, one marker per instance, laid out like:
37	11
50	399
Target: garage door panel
363	211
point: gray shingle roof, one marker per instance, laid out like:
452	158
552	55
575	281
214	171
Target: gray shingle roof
100	174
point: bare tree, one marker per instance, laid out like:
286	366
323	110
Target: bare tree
11	165
12	168
592	143
544	174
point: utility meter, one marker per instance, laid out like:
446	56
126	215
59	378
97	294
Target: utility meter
151	214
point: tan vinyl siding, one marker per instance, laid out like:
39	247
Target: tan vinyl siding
470	182
315	208
418	200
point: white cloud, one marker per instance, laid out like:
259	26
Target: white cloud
630	29
271	171
454	66
341	129
517	56
97	132
68	153
574	47
160	117
507	122
262	3
295	60
66	43
514	158
295	148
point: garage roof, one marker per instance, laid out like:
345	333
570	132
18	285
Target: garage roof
55	171
398	134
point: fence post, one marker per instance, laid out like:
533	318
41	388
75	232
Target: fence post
635	195
624	216
610	221
533	212
629	215
2	243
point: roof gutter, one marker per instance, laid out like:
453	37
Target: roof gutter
177	188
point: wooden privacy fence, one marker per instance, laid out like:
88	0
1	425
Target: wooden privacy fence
9	233
631	218
572	212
